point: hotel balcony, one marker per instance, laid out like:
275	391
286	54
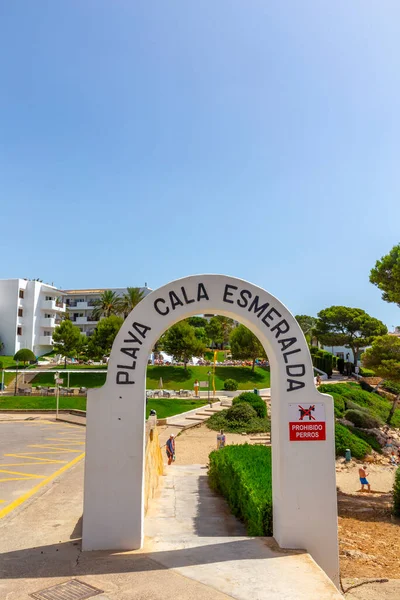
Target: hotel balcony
53	305
48	322
45	340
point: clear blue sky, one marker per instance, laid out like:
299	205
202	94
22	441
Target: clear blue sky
144	141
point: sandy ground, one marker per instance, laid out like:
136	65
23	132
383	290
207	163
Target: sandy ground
194	445
369	536
381	477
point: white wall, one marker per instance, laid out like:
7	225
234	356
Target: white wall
8	314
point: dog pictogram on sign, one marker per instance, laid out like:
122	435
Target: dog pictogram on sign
307	422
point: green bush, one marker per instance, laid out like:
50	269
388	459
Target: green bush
242	474
366	372
219	421
344	439
396	494
367	437
230	385
254	400
241	412
376	404
25	355
392	387
366	387
323	360
363	419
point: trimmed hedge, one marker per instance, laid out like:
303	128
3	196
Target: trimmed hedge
243	475
344	439
396	494
363	419
323	360
366	372
218	421
254	400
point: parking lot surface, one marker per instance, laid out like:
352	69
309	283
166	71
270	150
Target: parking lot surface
33	453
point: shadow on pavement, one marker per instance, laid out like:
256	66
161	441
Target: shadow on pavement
66	559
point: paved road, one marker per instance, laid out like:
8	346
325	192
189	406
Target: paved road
32	453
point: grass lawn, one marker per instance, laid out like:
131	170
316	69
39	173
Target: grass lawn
88	380
174	378
164	407
209	355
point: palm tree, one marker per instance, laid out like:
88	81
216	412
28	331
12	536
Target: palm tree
131	299
108	304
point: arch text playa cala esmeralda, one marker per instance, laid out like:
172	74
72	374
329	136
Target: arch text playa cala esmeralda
303	449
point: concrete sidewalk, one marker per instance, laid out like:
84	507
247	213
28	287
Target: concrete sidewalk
190	529
40	547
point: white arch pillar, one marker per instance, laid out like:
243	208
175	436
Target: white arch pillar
303	470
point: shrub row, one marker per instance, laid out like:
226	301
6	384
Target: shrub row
323	360
367	437
242	474
366	372
344	439
346	393
362	418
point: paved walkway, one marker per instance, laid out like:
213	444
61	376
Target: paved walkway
190	530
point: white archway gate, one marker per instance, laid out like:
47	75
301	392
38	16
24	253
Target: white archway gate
303	454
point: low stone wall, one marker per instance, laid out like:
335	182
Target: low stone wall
153	461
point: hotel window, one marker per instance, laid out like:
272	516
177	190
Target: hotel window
20	312
49	298
47	333
21	293
19	330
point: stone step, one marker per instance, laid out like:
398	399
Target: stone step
200	419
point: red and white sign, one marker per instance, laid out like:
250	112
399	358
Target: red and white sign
307	422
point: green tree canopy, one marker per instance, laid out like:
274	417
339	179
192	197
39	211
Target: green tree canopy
197	321
101	341
214	330
349	327
201	334
307	325
108	304
68	339
24	355
130	299
245	345
227	325
386	275
181	342
384	358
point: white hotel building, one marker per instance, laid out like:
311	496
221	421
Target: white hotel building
79	304
29	312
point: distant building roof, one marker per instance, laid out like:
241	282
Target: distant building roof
98	291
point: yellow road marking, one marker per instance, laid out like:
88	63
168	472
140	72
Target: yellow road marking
64	440
5	511
20	478
19	473
43	460
27	464
56	448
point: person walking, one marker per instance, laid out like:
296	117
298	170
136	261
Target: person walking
363	478
170	448
221	440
